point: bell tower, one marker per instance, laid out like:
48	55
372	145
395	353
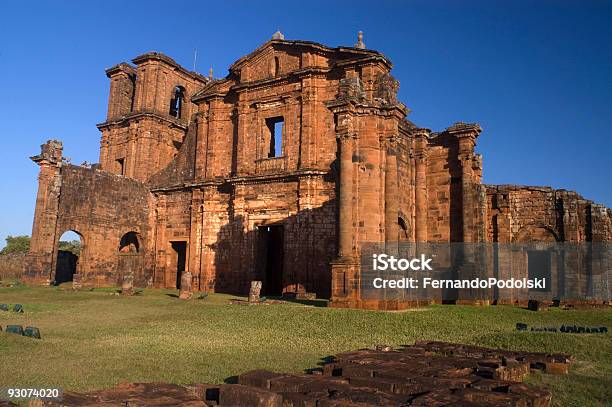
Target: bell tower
149	111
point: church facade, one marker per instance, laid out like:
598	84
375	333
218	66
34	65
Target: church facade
277	172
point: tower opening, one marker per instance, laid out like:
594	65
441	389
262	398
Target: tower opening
176	103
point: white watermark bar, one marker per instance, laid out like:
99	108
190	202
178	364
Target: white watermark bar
486	271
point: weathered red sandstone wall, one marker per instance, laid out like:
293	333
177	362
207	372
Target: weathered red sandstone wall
444	210
522	213
538	217
102	208
112	207
171	225
223	222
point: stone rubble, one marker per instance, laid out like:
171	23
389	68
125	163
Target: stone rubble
425	374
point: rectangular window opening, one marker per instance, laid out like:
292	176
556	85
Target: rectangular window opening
275	128
121	166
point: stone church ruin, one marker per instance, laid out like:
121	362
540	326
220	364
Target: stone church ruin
277	172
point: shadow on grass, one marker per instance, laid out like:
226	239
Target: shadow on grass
321	364
172	295
231	380
311	303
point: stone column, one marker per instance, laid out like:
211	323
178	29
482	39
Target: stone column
466	196
240	167
473	262
210	226
345	210
195	237
202	142
160	279
40	264
466	138
391	193
420	197
104	142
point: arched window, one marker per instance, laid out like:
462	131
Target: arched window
276	66
129	243
176	103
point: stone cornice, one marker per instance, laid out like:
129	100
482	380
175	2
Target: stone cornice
244	180
158	56
421	133
346	136
122	67
279	80
133	116
359	107
312	46
461	129
362	61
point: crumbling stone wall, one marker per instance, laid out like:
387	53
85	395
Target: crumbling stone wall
541	217
522	213
100	207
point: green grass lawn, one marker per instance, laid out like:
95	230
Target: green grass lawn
94	339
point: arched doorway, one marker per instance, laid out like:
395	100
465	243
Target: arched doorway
69	250
129	257
539	258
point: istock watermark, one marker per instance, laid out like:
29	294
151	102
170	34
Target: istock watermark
384	262
428	282
491	271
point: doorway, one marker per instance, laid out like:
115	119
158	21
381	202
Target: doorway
180	248
270	258
538	266
67	258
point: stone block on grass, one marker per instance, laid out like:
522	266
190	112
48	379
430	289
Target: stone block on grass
32	332
239	395
14	329
258	378
534	305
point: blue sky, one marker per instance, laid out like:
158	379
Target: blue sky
537	75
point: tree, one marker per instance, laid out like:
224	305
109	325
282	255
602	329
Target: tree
16	244
21	244
73	246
